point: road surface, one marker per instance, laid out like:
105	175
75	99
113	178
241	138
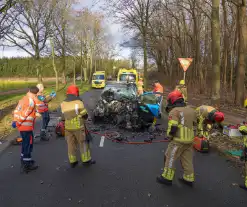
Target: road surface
124	175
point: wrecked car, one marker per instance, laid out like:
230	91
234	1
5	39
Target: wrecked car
120	105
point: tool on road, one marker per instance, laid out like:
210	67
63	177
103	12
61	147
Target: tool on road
201	144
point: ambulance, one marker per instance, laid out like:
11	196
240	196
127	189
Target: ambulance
126	75
99	79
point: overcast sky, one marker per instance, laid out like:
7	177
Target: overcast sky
115	30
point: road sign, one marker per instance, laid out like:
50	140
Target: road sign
185	63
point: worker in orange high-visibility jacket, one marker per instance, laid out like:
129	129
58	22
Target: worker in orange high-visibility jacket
140	86
42	108
24	119
157	87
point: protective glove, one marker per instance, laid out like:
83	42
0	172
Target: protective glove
14	124
41	98
53	94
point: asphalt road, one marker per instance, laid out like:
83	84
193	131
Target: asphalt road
124	175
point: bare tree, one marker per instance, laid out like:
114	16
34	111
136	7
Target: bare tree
32	28
136	15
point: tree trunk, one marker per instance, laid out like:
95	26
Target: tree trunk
145	59
226	43
215	29
239	90
74	71
54	64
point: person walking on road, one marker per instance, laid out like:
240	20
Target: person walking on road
206	116
183	89
24	119
74	113
243	130
140	86
42	108
181	122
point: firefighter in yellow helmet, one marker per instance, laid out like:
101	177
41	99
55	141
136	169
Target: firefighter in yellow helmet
243	130
140	86
183	89
75	114
181	133
206	116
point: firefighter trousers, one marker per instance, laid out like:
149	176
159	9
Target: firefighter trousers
184	152
26	146
77	139
245	180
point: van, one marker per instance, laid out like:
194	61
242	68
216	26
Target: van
99	79
125	75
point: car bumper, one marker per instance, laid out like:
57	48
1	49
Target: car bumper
102	85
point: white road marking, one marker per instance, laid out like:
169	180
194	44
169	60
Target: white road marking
102	141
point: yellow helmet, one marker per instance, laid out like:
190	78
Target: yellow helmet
245	103
181	82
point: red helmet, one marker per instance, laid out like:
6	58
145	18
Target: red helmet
218	116
73	90
174	96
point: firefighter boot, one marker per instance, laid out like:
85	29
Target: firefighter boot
244	186
43	135
188	179
167	176
90	162
73	164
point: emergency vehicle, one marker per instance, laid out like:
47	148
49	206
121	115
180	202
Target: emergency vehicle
125	75
99	79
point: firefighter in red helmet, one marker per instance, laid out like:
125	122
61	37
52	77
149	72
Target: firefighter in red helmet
206	116
75	114
181	121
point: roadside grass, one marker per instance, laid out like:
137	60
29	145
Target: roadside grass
6	85
8	104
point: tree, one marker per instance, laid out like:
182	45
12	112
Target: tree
32	28
136	15
215	28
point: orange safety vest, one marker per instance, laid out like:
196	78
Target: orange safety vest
158	88
140	85
24	114
41	106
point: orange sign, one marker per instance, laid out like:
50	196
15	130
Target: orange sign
185	63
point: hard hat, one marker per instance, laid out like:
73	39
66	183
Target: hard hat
174	96
245	103
181	82
73	90
40	86
219	116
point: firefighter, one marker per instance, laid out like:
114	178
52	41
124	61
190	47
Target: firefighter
75	114
206	116
42	108
183	89
140	86
24	119
180	131
243	130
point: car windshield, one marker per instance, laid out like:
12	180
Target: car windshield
98	77
125	77
149	99
121	91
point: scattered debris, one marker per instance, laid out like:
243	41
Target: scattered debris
41	182
149	195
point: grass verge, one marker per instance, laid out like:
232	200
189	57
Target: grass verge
9	103
6	85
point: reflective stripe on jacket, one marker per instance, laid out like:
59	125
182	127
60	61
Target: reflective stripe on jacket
41	106
24	114
183	118
73	110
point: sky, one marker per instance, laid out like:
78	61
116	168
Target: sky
114	29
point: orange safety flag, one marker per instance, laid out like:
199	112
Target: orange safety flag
185	63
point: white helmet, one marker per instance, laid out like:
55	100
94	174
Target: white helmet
40	86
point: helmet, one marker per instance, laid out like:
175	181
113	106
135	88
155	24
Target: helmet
181	82
73	90
218	116
40	86
245	103
174	96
